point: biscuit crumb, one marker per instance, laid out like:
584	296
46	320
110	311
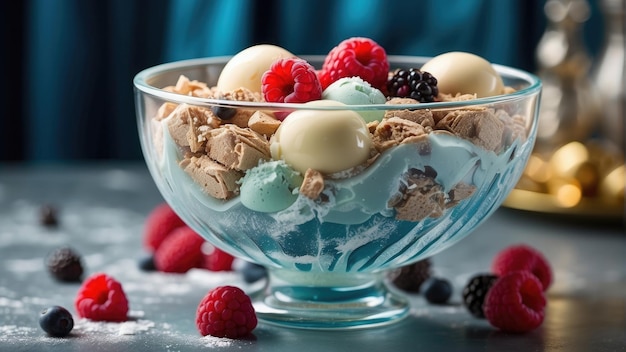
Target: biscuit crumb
313	184
263	123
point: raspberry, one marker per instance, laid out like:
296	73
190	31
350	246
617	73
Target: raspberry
158	225
215	259
410	278
356	56
226	311
56	321
413	83
65	265
291	80
523	257
515	302
101	298
180	251
475	292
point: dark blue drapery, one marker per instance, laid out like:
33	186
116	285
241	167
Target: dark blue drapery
69	64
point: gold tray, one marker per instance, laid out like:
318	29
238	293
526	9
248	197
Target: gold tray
546	203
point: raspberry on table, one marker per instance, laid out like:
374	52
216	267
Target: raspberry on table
102	298
226	311
56	321
515	302
161	221
361	57
215	259
291	80
523	257
410	277
65	264
475	292
414	84
180	251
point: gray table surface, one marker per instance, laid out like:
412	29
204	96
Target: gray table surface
101	212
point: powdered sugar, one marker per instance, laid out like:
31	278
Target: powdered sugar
130	327
212	341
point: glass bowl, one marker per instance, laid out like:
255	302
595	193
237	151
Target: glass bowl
327	254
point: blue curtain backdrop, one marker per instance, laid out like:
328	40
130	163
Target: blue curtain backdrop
68	64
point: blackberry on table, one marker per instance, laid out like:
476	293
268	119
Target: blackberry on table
65	264
48	215
413	83
410	278
475	292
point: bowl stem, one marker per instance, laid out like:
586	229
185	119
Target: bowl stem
314	300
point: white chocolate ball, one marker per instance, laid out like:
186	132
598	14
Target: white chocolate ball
465	73
327	141
247	67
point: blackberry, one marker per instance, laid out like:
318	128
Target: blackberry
65	265
413	83
56	321
475	292
410	278
48	215
437	290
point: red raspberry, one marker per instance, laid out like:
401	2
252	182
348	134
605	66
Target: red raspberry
357	56
159	223
291	80
515	302
215	259
523	257
101	298
226	311
180	251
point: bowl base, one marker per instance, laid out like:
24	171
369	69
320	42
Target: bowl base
329	303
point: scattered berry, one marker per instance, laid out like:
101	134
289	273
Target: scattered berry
223	112
515	302
147	263
65	264
523	257
56	321
226	311
101	298
291	80
437	290
180	251
48	216
413	83
253	272
410	278
159	223
475	292
215	259
356	56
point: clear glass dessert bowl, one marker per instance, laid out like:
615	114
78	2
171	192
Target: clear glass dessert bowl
328	237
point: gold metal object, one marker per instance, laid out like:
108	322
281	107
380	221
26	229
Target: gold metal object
577	166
